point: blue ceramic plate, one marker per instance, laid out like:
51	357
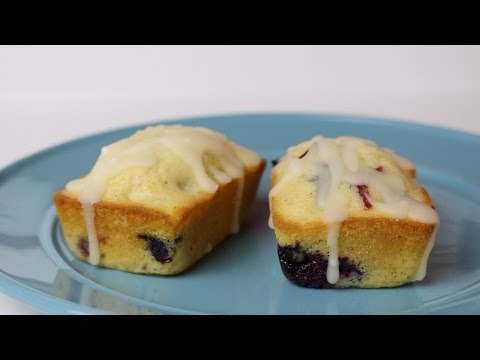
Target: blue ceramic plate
242	276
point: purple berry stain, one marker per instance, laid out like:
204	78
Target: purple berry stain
364	194
309	269
303	155
83	246
157	248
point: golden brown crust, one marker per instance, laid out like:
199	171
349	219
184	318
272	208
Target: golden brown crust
189	232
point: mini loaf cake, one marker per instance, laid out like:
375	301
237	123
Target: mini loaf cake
159	200
348	213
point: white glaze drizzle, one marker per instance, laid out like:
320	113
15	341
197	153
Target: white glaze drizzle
237	205
333	271
422	269
333	162
143	149
403	162
93	248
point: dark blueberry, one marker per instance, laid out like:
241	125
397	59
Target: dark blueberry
83	246
363	191
309	269
157	248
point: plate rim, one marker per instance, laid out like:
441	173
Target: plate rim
341	117
43	302
51	304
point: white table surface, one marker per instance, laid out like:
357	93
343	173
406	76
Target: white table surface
53	94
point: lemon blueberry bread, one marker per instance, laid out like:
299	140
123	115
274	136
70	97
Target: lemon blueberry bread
348	213
158	201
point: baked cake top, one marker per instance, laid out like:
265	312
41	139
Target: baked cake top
344	177
164	167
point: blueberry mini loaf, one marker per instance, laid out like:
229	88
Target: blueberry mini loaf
159	200
348	213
